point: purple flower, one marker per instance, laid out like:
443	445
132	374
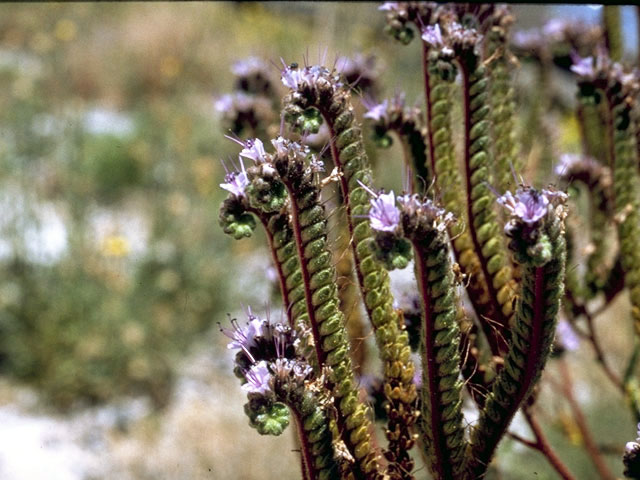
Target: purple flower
291	77
317	165
389	7
236	182
555	28
224	103
248	66
631	447
582	67
260	339
285	147
295	77
529	205
254	149
384	215
258	379
567	162
377	112
432	35
567	337
296	370
244	338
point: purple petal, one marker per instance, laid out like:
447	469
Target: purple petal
258	379
254	150
384	215
433	35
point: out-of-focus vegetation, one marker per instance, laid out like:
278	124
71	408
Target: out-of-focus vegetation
111	259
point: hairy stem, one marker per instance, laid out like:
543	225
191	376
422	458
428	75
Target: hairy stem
441	392
483	226
309	225
349	156
533	332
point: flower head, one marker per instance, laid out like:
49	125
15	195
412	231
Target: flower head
389	7
566	336
529	205
261	339
258	379
377	111
249	66
432	35
294	77
291	370
582	67
285	147
236	182
384	215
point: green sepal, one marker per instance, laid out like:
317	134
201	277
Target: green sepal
270	418
235	220
266	195
391	250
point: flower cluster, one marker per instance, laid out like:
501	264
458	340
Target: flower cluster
401	14
359	71
588	69
296	77
240	110
457	38
262	348
529	205
377	111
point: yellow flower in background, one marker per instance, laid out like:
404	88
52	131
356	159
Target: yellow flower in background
569	133
115	246
66	30
571	429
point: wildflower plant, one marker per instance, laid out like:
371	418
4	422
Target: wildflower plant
493	297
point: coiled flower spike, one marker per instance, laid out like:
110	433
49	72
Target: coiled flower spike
332	104
536	231
424	225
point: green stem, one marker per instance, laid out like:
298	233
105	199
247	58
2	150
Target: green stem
308	220
626	185
349	156
483	226
533	332
612	31
442	389
503	114
449	186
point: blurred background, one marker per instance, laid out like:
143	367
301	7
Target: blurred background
113	270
